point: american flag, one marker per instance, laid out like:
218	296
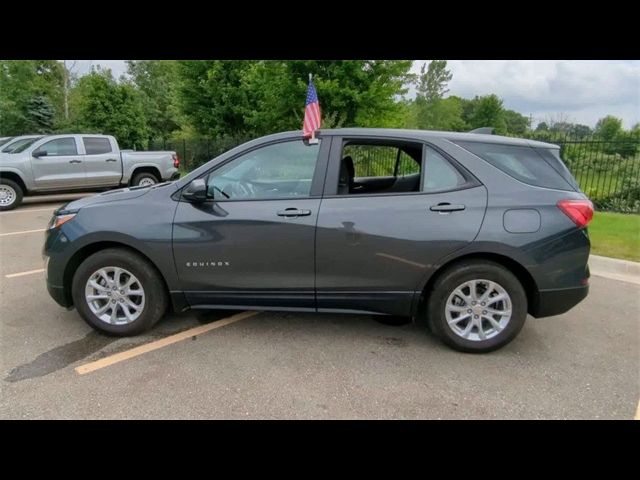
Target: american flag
311	112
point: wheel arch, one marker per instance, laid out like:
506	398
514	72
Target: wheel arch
522	274
15	177
87	250
155	171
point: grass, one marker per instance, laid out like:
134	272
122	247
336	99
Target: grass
615	235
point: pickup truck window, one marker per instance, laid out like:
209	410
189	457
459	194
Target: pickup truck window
59	147
96	145
19	146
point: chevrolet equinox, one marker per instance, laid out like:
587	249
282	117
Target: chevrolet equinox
465	232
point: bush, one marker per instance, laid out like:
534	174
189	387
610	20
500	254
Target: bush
625	200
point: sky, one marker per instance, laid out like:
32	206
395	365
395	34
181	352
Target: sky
578	91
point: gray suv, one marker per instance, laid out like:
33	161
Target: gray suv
465	232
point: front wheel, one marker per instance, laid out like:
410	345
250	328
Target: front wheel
118	292
10	194
477	306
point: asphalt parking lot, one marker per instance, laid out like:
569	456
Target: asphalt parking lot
581	365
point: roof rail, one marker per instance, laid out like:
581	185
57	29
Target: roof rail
485	130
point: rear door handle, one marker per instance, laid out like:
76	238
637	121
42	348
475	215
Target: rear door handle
110	160
75	161
294	212
446	207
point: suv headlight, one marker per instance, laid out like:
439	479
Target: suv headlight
58	220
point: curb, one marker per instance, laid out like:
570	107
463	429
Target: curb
613	268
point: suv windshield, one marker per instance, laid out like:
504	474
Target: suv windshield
5	140
20	145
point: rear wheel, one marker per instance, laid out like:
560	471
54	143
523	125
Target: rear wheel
477	306
118	292
144	179
10	194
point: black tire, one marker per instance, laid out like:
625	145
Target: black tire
155	294
138	177
470	270
17	194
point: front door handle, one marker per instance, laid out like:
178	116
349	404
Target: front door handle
110	160
75	161
446	207
294	212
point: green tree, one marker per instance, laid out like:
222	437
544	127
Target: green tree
26	86
40	115
247	97
542	127
431	85
433	80
101	105
516	123
214	95
608	128
580	131
446	114
158	81
360	93
486	111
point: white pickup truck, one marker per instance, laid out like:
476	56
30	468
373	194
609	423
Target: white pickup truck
77	162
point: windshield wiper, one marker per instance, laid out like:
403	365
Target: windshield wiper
226	196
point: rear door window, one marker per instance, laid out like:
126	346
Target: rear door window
522	163
96	145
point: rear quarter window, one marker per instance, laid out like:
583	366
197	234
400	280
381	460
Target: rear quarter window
521	163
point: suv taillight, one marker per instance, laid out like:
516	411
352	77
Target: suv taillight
580	211
176	160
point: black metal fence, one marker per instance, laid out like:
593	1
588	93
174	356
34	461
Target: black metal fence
607	171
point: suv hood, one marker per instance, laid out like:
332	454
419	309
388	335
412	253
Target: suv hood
110	197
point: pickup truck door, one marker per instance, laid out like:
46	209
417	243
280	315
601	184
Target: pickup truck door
60	166
102	164
252	243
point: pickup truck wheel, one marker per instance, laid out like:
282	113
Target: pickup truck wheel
10	194
477	306
144	179
118	292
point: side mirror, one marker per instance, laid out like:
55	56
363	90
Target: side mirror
196	191
39	153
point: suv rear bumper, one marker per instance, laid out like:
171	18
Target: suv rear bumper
556	302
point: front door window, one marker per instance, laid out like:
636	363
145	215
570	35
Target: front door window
281	170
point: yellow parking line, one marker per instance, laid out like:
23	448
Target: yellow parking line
20	274
637	417
20	233
149	347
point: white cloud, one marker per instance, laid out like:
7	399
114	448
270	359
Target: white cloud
582	91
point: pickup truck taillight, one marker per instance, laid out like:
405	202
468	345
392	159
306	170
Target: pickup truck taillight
580	211
176	160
